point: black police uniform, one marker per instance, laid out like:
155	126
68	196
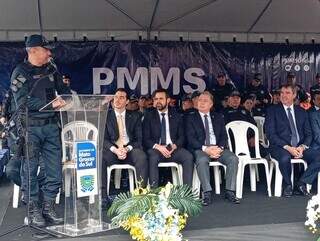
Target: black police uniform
220	92
44	133
34	87
261	93
314	89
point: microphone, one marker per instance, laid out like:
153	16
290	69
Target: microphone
52	63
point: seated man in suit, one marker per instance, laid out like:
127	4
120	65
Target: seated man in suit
314	115
207	138
289	133
163	137
123	139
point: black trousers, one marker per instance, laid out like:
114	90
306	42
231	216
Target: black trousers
135	157
180	155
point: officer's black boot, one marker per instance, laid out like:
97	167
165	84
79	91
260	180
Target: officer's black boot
35	215
50	214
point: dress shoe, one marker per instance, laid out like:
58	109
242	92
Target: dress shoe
207	198
36	218
231	197
49	213
287	191
302	190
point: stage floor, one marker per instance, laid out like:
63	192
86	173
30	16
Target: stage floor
258	217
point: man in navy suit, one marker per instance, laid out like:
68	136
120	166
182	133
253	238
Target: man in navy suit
163	138
289	133
123	139
314	114
207	138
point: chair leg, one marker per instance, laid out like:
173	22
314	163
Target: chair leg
175	177
253	177
117	178
268	179
216	179
239	181
292	174
131	180
180	173
257	172
15	197
195	182
278	182
108	179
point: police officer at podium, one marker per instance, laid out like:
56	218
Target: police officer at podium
34	83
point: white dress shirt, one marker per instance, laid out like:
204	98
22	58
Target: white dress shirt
213	140
125	137
168	137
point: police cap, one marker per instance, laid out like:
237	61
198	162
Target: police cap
235	93
37	40
257	76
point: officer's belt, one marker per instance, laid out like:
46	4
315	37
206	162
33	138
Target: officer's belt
41	122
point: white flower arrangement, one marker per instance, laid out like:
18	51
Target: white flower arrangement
155	215
313	214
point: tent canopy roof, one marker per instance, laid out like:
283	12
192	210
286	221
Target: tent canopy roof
218	20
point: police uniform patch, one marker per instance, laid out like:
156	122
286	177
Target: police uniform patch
51	78
14	88
37	76
19	85
15	81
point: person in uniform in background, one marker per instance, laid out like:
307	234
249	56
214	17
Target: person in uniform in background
34	84
186	103
263	97
275	97
221	90
133	103
248	102
291	80
316	87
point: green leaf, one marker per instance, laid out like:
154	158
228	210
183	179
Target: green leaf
186	201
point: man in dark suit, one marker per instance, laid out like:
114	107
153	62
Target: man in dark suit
289	133
314	115
123	139
163	137
207	138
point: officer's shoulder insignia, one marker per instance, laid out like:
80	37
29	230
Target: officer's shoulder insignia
21	79
262	92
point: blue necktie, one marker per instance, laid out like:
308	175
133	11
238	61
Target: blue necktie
163	140
294	136
206	128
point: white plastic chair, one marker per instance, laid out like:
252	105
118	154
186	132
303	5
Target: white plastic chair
176	171
239	130
118	167
278	176
75	131
260	124
217	177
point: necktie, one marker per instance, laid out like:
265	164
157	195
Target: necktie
163	139
206	128
294	136
120	141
